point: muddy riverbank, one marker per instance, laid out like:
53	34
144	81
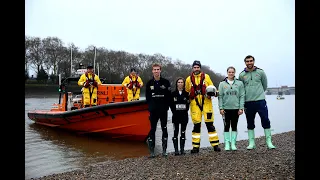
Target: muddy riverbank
260	163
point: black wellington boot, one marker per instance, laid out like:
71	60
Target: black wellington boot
182	143
195	150
164	146
216	148
175	145
151	147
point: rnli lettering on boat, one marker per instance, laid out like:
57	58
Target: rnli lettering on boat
101	93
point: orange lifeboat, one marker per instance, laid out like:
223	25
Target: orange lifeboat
113	116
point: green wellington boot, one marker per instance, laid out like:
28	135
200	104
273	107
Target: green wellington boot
234	140
251	137
226	141
267	133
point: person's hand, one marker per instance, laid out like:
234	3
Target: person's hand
222	112
240	112
95	84
86	84
130	85
138	85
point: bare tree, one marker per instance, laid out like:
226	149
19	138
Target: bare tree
27	52
55	53
113	65
36	53
77	55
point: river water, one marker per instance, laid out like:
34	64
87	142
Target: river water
49	151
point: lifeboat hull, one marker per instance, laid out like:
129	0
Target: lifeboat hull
121	120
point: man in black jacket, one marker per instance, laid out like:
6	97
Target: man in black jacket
158	92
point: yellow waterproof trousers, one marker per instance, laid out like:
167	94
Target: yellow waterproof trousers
132	97
87	100
196	115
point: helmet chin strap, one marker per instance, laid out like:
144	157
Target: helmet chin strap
196	72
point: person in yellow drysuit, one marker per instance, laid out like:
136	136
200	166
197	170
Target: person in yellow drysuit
133	83
89	81
201	103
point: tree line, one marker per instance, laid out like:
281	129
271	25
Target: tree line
50	56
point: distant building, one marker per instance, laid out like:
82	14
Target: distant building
287	90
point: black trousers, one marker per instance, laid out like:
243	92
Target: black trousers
231	117
154	118
176	130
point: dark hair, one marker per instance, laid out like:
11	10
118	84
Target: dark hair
180	78
231	67
247	57
133	69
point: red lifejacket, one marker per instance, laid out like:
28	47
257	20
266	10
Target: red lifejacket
135	82
197	89
92	80
91	75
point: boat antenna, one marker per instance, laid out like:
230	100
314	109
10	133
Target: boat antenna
60	88
94	59
71	60
59	79
98	69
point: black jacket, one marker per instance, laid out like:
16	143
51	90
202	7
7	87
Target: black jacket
158	95
179	106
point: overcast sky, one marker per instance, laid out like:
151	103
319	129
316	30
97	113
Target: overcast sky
218	33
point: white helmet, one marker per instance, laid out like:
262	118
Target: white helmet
211	90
